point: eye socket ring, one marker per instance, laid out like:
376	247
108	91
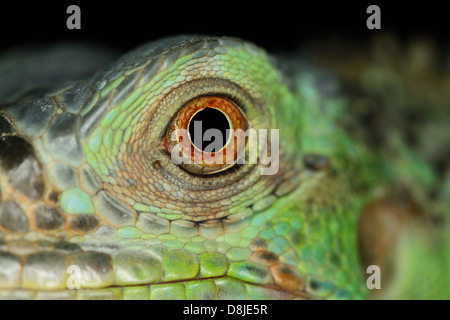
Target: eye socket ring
151	142
219	155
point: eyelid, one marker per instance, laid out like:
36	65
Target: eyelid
167	108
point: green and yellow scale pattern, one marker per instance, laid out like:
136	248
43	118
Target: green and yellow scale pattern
108	199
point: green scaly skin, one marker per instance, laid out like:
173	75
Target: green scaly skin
86	181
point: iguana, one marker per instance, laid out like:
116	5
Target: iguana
92	205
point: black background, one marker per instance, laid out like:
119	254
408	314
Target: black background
272	24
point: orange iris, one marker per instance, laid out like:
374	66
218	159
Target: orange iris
201	161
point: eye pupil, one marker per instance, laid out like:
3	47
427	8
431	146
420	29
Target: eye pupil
202	121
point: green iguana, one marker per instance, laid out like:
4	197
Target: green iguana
92	205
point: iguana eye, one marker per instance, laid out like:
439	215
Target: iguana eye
126	130
207	134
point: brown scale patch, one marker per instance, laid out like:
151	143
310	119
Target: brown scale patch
157	165
264	257
47	218
287	278
53	196
82	223
12	217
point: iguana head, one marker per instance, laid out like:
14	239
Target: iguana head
94	205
